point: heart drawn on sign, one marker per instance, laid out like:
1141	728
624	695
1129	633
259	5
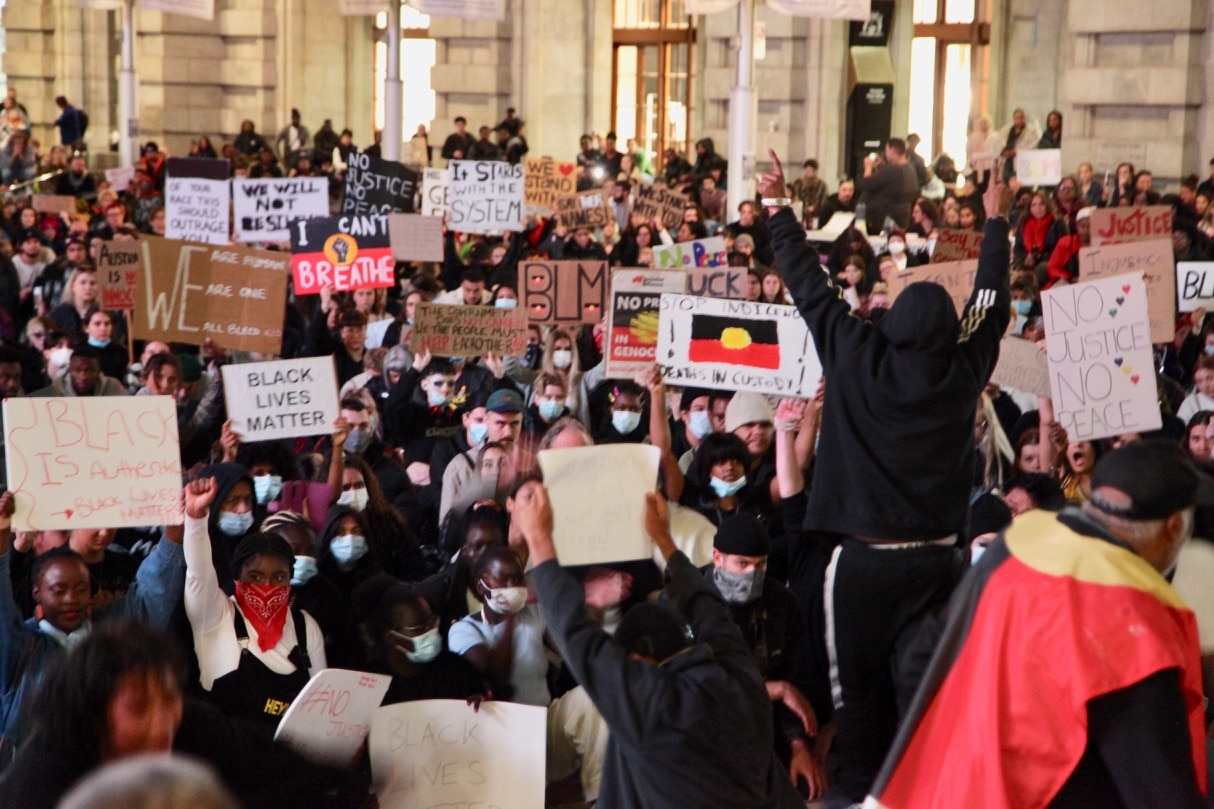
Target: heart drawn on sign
565	169
1120	300
1126	289
1127	370
1112	313
1117	361
1135	379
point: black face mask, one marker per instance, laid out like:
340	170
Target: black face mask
531	357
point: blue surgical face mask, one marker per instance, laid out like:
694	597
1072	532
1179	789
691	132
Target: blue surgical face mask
550	408
95	343
625	421
348	548
267	488
358	440
458	360
725	488
1210	351
305	570
235	525
1022	307
437	398
477	433
506	303
426	646
700	423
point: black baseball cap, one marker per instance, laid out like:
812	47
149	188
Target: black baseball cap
1158	477
505	401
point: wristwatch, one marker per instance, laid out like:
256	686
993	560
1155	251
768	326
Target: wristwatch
776	202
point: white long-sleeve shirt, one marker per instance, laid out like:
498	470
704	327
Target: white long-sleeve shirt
212	615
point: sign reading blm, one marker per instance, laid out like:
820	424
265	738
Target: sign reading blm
375	186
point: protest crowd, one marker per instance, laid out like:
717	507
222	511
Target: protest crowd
816	532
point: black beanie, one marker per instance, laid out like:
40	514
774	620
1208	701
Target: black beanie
690	395
257	544
653	630
988	515
742	534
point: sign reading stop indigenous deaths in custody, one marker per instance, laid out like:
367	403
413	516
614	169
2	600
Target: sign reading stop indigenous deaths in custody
1155	261
282	398
343	252
708	252
1195	285
956	245
118	267
468	331
957	277
190	292
95	462
441	754
565	293
589	209
610	526
546	180
1120	225
1098	343
264	209
632	329
376	186
736	345
434	192
660	203
485	196
329	720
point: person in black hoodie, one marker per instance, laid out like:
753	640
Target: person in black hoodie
894	465
232	517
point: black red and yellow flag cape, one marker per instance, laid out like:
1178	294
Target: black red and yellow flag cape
1057	620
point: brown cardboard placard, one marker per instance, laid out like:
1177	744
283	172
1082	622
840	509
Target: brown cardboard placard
956	245
468	331
564	292
1154	259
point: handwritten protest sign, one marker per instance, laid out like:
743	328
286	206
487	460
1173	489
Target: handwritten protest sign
434	192
736	345
375	186
1120	225
93	462
956	245
1098	340
1151	258
54	203
331	717
589	209
632	330
265	208
118	268
485	196
565	292
1022	366
708	252
189	292
415	238
609	527
1195	285
717	282
438	753
468	331
282	398
660	203
546	179
955	276
196	210
344	252
1039	166
119	178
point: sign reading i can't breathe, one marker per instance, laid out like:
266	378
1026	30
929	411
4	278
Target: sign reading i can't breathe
343	252
282	398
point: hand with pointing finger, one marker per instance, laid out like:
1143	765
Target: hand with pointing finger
771	184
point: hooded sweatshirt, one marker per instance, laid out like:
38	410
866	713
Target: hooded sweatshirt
893	462
226	475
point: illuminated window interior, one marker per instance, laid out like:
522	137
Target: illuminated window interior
947	48
418	54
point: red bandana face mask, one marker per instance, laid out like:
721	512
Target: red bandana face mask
265	607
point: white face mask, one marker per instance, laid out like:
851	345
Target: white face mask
354	498
562	359
896	248
506	600
60	357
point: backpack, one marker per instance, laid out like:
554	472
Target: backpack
83	118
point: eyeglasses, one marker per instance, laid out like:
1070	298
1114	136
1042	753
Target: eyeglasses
37	335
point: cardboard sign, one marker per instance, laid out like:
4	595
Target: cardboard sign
189	292
415	237
1022	366
1102	374
565	292
440	754
589	209
546	180
1195	285
1120	225
955	276
331	717
118	268
196	210
1154	260
708	252
956	245
54	203
632	330
434	192
736	345
282	398
717	282
375	186
468	331
1039	166
485	196
119	178
93	462
265	208
609	527
344	252
660	203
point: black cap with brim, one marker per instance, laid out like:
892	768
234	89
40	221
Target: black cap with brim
1158	478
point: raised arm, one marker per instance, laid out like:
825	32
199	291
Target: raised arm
205	603
988	312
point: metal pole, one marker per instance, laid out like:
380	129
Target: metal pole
743	109
393	87
128	123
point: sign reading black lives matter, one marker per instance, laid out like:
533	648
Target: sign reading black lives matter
281	399
377	186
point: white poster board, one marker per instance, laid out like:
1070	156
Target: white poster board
119	178
93	462
331	718
439	753
434	192
485	196
1039	166
264	209
609	527
415	238
1195	285
281	398
833	229
708	252
196	210
1098	341
736	345
377	331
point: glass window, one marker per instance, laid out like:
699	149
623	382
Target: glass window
956	101
926	11
959	11
922	93
626	92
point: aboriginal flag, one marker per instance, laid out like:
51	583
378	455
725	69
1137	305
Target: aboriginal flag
733	341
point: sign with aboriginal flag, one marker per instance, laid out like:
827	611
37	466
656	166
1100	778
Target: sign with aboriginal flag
632	330
736	345
342	252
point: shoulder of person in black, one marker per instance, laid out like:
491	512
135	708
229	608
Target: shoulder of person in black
448	676
321	599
